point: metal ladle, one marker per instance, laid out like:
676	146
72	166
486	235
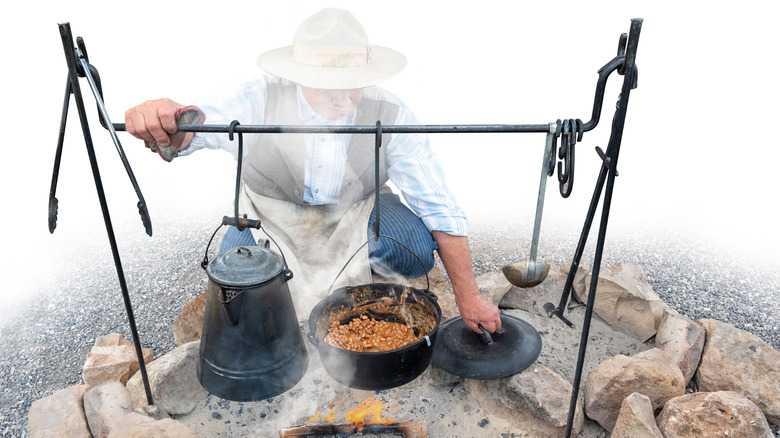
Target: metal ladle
530	273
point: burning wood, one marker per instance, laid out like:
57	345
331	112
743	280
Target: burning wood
407	430
365	419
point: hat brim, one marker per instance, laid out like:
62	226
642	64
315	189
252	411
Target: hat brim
385	63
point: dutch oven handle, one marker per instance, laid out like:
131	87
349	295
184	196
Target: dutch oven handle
313	339
427	280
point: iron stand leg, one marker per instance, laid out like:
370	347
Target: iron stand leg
67	41
613	151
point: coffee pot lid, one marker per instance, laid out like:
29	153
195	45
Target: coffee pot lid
244	266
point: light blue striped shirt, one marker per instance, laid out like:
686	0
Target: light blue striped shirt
412	164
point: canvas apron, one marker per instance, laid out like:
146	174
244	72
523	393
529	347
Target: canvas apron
316	242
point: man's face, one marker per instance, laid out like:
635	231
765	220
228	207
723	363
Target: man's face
332	104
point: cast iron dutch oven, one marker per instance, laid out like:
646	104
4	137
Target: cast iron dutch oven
381	301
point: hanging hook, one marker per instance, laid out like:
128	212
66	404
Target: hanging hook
572	133
378	144
231	130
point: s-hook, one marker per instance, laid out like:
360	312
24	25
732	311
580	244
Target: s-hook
572	133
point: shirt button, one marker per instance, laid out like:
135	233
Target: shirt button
316	190
322	140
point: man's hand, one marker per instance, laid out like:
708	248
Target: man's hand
476	310
153	121
473	307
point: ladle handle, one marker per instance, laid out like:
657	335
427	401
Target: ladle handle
540	199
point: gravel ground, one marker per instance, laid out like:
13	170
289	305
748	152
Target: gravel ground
44	340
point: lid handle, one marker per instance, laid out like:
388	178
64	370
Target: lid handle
485	337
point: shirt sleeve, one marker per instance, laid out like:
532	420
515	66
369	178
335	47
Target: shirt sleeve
415	170
244	102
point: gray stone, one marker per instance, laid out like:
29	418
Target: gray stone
105	405
652	373
172	380
683	340
636	419
59	415
735	360
706	414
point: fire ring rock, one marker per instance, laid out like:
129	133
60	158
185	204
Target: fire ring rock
173	381
683	340
112	358
651	373
625	300
636	419
735	360
722	413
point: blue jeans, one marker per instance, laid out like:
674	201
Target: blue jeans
397	221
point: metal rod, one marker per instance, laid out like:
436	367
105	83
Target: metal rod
604	73
613	151
67	41
358	129
548	143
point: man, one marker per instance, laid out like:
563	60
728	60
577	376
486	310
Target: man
314	192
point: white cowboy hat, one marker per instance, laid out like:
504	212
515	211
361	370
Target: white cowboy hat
331	51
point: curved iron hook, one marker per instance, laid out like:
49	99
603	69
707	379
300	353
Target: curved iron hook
563	152
573	130
231	130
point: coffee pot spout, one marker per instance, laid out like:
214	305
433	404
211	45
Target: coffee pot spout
232	304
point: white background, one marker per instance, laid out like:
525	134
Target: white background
700	150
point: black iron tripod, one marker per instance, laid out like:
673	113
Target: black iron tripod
78	66
569	131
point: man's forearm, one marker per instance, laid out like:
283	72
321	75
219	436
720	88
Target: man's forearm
473	307
456	256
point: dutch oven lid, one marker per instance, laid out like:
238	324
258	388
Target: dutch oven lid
244	266
462	352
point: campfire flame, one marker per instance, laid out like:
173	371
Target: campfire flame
329	417
368	412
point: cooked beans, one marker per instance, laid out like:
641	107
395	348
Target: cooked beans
367	334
